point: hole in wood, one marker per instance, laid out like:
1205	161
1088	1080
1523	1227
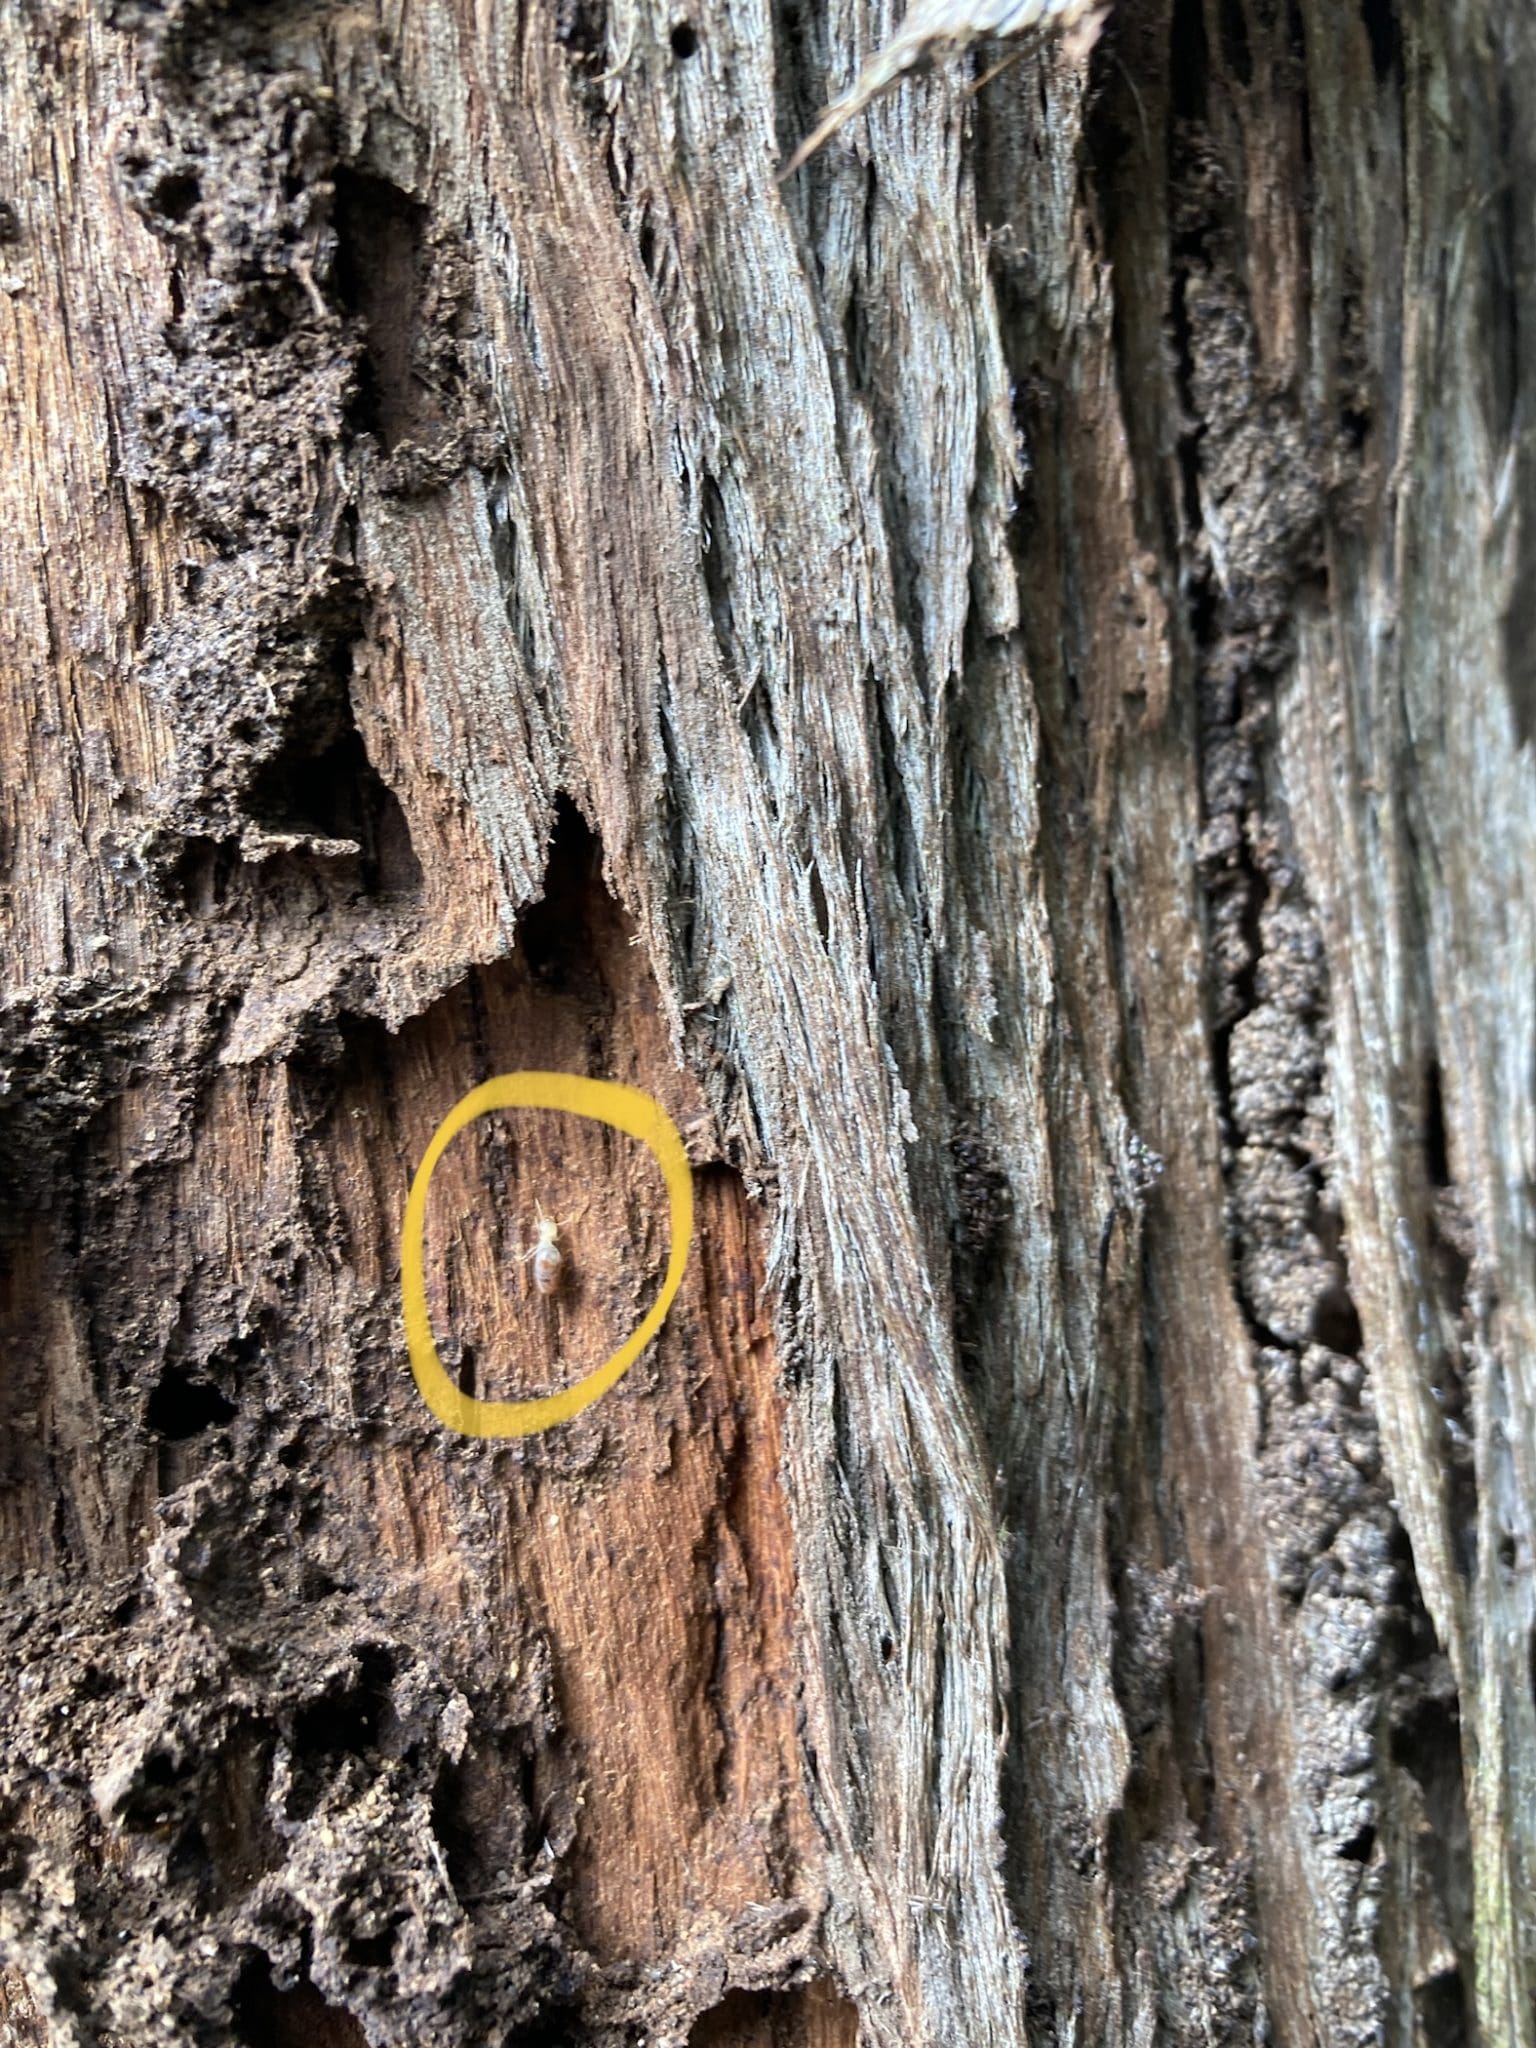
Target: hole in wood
809	2016
379	266
265	2017
182	1406
335	792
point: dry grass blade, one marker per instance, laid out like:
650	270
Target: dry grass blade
935	25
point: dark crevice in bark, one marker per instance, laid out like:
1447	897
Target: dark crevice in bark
806	2017
983	1204
380	280
1189	61
899	854
485	1809
644	232
1295	74
1510	240
183	1405
1449	1250
581	30
856	338
326	788
346	1720
1514	366
518	574
1436	1149
1442	2012
801	52
554	934
717	564
682	848
818	896
1384	32
1236	52
265	2017
1425	1740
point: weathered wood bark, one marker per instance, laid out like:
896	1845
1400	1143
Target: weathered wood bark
996	681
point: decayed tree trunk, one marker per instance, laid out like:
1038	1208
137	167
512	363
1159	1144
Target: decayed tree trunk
995	680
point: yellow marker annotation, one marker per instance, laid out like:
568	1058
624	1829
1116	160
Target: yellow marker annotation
608	1102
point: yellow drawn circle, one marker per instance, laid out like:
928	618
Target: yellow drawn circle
607	1102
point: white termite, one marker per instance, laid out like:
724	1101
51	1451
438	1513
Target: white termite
546	1256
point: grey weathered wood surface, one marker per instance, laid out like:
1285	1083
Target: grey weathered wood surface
996	679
